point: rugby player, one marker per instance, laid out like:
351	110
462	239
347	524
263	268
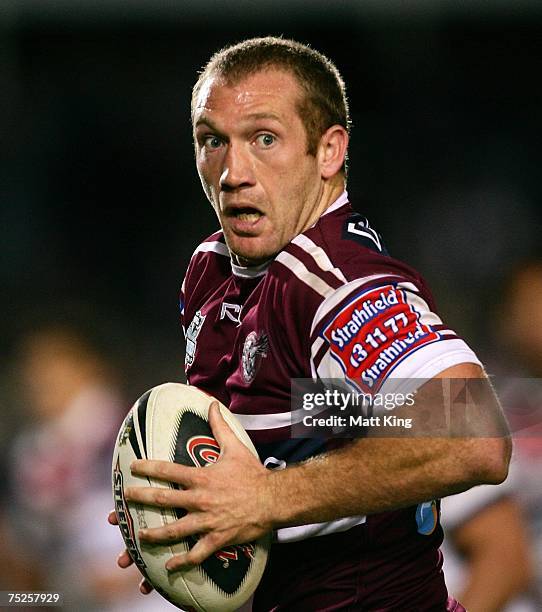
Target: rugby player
298	285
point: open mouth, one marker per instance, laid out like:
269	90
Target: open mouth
245	213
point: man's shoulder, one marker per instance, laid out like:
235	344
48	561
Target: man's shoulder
211	253
355	246
209	264
214	244
340	248
346	231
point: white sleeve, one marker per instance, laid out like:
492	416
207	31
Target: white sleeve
383	335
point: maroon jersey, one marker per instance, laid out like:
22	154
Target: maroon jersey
331	304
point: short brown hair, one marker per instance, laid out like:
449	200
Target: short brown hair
324	103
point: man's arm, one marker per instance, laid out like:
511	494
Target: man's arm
237	499
381	474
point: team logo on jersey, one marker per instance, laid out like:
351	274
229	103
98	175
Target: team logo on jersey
192	337
203	450
373	333
427	516
231	312
357	228
254	350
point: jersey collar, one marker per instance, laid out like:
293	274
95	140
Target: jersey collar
340	201
250	271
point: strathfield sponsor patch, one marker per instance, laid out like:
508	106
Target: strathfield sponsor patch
373	332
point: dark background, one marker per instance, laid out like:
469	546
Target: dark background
101	206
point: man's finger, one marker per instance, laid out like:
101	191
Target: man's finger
164	470
112	518
124	560
173	532
154	496
204	547
222	432
145	586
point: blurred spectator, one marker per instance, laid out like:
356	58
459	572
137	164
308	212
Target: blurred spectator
58	492
484	524
487	560
520	320
521	333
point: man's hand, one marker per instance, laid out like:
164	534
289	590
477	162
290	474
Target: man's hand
124	560
228	502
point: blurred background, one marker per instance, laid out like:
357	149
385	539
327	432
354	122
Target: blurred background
101	205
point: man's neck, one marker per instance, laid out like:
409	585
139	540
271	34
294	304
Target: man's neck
331	191
336	198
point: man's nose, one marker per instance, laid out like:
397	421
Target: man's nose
237	170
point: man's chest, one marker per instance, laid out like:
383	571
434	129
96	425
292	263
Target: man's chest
237	348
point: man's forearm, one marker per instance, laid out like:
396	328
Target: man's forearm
379	474
376	474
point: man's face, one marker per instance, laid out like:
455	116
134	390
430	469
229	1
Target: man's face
251	155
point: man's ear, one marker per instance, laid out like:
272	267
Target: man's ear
332	150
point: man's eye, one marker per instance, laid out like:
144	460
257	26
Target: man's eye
212	142
266	140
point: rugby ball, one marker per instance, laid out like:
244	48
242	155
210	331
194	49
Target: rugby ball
170	422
